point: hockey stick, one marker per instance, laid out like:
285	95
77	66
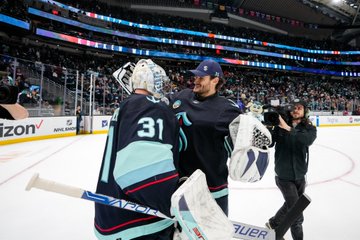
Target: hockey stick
75	192
241	230
292	215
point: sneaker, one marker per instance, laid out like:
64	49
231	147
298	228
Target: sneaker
268	225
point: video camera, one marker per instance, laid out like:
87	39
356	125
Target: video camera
271	114
8	94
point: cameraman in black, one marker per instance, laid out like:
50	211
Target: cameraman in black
292	140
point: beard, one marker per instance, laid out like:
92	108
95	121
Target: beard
297	117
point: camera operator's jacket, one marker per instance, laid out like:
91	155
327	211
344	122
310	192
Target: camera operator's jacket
292	150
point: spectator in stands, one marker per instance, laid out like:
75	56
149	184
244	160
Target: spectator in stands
357	111
97	111
26	97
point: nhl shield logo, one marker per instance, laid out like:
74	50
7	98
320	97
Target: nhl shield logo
176	104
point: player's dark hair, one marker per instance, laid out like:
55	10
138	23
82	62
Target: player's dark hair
219	84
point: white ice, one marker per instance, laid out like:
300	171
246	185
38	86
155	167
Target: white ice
333	185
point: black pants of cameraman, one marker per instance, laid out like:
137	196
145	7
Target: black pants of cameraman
291	191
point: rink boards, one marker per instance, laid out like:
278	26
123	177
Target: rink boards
38	128
53	127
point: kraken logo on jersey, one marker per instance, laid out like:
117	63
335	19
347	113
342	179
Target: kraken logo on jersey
183	120
153	99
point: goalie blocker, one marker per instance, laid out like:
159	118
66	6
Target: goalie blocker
250	155
123	76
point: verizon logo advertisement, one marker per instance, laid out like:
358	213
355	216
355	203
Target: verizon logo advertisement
35	127
19	129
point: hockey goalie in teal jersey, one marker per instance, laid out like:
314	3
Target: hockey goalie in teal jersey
140	158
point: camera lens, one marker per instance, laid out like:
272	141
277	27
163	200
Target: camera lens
8	94
4	94
271	118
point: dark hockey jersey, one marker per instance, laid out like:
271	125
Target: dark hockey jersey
139	165
204	124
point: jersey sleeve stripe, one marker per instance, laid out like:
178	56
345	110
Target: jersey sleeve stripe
152	183
124	224
218	187
220	193
136	232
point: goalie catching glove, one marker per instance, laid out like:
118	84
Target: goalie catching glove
250	155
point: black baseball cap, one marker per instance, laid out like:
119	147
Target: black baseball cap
299	101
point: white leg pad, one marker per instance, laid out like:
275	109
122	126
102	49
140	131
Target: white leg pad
198	213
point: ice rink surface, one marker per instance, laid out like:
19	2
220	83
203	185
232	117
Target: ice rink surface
333	185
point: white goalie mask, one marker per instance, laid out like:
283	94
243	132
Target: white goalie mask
151	77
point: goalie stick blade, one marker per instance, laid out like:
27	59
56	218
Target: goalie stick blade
249	232
292	215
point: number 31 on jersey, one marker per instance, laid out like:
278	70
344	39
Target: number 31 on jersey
149	126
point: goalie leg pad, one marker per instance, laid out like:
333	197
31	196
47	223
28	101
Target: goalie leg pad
198	213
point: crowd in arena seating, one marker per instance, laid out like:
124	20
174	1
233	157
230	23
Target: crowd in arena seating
198	25
242	84
191	24
15	8
201	51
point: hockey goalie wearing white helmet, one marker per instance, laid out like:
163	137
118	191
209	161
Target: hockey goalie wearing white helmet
144	75
250	155
140	158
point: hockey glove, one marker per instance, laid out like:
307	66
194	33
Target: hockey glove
250	156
